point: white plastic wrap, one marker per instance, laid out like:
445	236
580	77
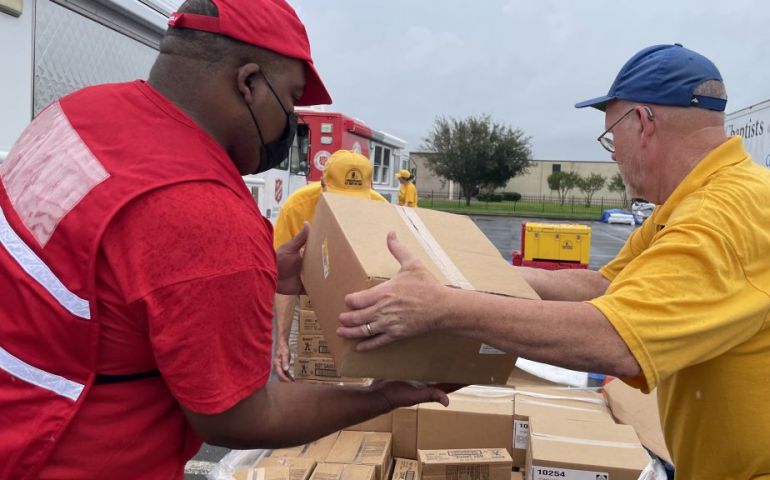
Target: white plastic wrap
654	471
235	459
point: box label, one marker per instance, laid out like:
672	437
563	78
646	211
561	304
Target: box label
556	473
490	350
520	434
371	450
467	472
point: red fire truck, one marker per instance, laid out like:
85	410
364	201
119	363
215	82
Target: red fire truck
319	134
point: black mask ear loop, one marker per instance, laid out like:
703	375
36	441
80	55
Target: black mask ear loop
256	124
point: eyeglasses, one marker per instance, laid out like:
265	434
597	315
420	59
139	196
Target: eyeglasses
606	140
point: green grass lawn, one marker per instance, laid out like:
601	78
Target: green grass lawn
576	210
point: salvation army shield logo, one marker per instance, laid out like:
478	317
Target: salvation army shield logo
320	159
278	189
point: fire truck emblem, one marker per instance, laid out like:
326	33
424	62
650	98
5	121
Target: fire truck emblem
320	159
278	190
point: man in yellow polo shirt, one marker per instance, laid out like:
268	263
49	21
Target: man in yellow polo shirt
684	307
347	173
407	192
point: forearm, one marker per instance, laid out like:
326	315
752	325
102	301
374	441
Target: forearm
573	335
565	285
284	315
288	414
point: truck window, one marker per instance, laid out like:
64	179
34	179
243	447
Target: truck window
299	151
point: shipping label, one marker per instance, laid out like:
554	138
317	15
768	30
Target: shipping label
556	473
520	434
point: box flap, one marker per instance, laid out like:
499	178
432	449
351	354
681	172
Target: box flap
632	407
477	399
366	224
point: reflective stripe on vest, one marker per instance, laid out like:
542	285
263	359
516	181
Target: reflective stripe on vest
41	378
39	271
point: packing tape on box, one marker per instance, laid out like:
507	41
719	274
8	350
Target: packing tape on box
546	396
556	405
256	474
491	393
433	249
584	441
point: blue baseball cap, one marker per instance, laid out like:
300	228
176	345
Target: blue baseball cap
663	75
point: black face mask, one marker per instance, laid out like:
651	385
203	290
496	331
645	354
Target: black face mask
273	153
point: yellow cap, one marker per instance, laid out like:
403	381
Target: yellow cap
405	174
349	173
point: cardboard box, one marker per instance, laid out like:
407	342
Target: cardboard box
477	417
299	468
315	368
406	469
305	303
262	473
312	346
575	450
308	323
340	471
518	476
522	379
383	423
363	448
465	464
317	450
347	252
573	404
632	407
405	432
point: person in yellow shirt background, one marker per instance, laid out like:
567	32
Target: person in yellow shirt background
407	194
347	173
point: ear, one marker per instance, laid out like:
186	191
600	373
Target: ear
245	79
647	120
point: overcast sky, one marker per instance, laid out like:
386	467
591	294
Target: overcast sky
397	64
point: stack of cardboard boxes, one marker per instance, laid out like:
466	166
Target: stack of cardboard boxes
486	433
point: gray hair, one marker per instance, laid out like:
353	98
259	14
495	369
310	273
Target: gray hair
711	88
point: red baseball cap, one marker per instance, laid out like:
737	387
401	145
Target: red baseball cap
269	24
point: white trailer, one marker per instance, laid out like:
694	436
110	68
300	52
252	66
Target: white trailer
753	124
49	48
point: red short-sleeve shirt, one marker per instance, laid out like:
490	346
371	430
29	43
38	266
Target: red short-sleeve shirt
186	276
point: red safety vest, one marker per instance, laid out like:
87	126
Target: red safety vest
60	186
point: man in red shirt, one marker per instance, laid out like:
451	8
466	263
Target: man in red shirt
137	274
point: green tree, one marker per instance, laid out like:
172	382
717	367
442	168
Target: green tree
617	185
591	184
477	152
562	183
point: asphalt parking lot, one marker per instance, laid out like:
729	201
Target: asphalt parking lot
505	234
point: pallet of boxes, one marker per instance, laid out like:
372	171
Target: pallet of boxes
515	431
